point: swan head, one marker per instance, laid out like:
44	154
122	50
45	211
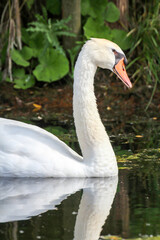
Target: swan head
108	55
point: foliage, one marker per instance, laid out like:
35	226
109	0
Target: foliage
72	55
42	39
99	14
42	56
128	160
53	7
51	30
18	58
146	41
51	64
23	80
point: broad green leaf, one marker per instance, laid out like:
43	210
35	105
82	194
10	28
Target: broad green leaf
120	37
27	52
22	80
54	6
93	28
25	82
34	40
112	13
93	8
18	58
19	73
53	66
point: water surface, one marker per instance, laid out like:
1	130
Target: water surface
85	209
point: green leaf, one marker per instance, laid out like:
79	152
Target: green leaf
93	28
25	35
19	73
8	80
0	76
120	37
29	3
23	83
56	130
54	6
22	80
34	40
27	52
93	8
112	13
53	66
18	58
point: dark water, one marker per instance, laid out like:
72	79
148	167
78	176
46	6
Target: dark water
85	209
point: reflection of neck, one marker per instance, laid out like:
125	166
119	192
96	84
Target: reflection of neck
94	209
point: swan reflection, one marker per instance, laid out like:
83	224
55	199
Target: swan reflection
21	199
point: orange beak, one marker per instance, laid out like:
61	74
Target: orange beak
120	71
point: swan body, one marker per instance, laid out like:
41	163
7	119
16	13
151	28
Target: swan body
29	151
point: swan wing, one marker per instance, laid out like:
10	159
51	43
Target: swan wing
29	151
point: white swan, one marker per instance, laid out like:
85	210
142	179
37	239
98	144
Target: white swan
29	151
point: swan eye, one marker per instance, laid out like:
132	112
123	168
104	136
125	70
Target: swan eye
119	56
115	52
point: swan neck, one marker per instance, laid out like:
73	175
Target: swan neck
93	139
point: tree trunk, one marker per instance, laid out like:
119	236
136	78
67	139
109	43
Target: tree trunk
123	6
72	8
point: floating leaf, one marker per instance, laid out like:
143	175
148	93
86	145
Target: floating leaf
111	237
109	108
37	107
112	13
53	66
